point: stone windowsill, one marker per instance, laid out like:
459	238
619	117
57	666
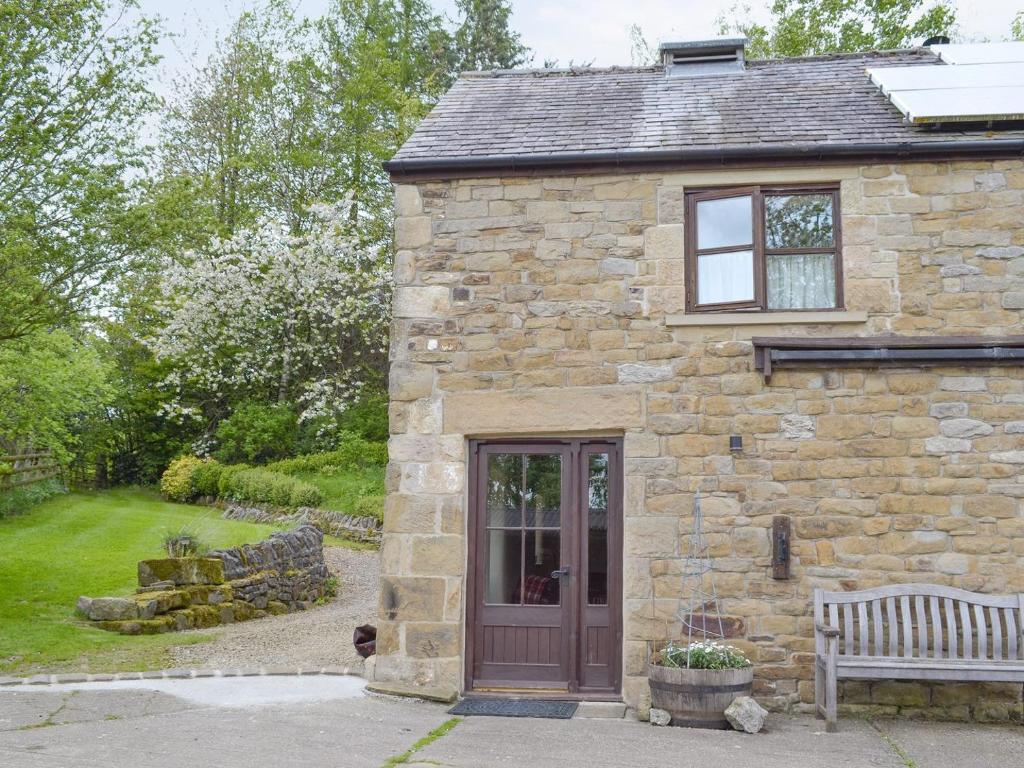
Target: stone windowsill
845	317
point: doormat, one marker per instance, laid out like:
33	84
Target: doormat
555	710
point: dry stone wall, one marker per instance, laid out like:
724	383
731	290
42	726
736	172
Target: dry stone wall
552	305
281	574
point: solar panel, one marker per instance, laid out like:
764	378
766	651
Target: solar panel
961	104
931	77
980	53
979	82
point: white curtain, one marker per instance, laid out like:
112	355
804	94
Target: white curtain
725	277
806	281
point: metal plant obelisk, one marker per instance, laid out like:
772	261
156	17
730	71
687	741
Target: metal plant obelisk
701	613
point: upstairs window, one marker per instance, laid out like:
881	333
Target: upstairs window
763	248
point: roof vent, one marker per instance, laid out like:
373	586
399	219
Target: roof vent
720	55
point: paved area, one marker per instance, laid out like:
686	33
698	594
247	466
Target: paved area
321	637
324	721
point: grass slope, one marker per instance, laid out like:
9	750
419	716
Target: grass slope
89	544
343	488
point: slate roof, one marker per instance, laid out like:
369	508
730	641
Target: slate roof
519	118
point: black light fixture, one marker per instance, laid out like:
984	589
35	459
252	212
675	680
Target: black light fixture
735	443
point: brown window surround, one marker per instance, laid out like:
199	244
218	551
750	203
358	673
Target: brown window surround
758	193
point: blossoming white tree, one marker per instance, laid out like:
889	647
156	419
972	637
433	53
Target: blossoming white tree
272	317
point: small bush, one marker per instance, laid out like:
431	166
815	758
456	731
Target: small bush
260	485
20	499
177	483
183	543
709	655
227	477
370	506
257	433
368	418
206	477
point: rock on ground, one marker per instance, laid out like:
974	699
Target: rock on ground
745	714
660	716
319	637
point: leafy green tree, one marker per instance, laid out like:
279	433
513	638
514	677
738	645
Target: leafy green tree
811	27
72	92
1017	27
50	382
484	39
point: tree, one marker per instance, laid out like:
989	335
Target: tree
641	52
72	92
269	317
1017	28
811	27
49	383
484	40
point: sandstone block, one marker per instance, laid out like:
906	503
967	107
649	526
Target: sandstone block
412	598
745	714
412	231
421	302
965	428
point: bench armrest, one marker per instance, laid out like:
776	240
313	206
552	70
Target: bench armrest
827	630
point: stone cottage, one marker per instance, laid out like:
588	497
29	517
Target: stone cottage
755	279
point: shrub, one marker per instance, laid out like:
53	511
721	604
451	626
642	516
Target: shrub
260	485
370	506
206	477
19	499
707	655
177	483
226	480
183	543
352	452
368	418
257	433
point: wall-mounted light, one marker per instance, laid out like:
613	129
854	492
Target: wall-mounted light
735	443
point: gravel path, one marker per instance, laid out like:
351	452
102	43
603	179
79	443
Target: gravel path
320	637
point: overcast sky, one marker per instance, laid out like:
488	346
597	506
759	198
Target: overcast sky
567	30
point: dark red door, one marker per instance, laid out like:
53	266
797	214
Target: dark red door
545	566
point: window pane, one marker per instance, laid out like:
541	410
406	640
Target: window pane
542	556
725	277
806	281
504	490
798	221
729	221
543	491
597	530
504	560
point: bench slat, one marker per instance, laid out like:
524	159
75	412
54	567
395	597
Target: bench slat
951	632
982	631
890	612
922	627
933	604
862	626
997	634
876	620
897	590
848	629
908	627
1011	635
966	633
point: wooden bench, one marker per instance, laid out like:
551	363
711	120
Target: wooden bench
914	632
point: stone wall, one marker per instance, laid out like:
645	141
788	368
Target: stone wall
351	527
281	574
530	306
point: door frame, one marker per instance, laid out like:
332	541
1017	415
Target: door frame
475	560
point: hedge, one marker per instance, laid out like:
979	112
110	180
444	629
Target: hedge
353	451
189	477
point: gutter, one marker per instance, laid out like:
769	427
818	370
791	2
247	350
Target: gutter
687	159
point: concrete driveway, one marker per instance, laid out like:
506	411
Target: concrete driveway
311	721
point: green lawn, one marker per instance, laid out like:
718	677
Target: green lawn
343	489
89	544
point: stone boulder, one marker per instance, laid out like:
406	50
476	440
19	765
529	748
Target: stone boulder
111	609
181	571
745	714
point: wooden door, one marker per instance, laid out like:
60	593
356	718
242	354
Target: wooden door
544	603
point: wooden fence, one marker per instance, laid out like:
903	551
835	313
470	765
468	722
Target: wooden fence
27	468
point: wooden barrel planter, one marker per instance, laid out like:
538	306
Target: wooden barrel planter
697	698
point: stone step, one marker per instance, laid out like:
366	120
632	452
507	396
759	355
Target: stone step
613	710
